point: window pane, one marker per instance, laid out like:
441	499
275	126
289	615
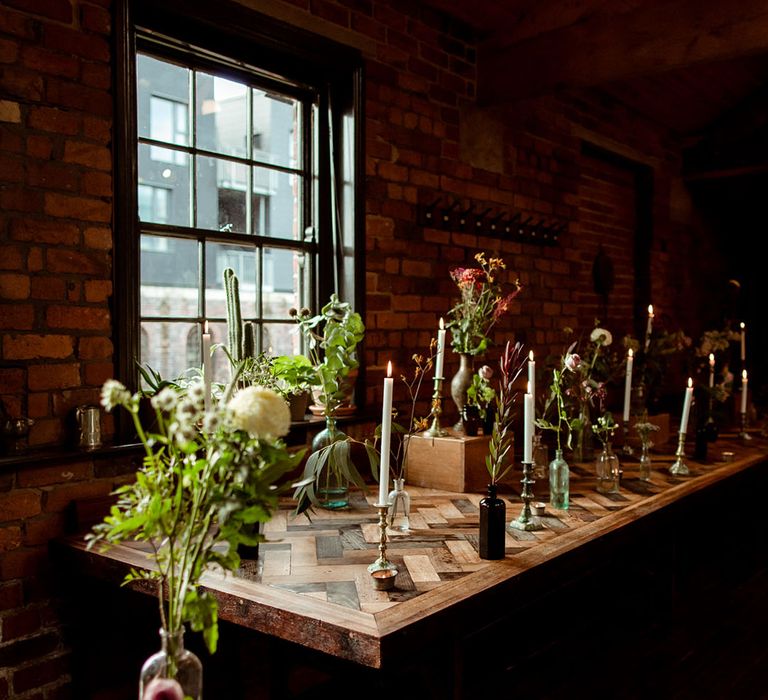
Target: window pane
222	115
220	365
276	129
166	170
284	284
162	91
170	347
169	277
243	260
281	339
221	195
276	197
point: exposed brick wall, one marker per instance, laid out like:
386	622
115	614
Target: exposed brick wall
56	237
56	209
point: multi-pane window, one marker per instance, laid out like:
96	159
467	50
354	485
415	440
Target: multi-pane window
226	178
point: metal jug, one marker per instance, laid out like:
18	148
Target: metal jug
89	422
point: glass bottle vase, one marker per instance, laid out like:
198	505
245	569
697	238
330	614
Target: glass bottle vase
540	458
559	482
399	501
493	517
582	448
645	461
172	672
607	470
332	486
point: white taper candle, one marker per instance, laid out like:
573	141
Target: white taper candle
386	435
628	383
686	406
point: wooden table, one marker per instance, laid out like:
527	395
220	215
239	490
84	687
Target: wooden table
311	584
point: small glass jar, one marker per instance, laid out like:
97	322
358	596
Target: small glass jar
399	501
645	460
540	458
559	482
607	470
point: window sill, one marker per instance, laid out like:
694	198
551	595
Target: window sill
61	453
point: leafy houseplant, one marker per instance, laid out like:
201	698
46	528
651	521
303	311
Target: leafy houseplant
295	376
207	477
331	338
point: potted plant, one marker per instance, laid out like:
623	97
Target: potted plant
295	377
207	477
331	338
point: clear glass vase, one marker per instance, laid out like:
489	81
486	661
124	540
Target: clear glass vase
607	470
399	501
582	447
173	672
540	458
332	486
645	460
559	482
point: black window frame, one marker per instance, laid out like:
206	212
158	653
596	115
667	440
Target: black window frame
228	34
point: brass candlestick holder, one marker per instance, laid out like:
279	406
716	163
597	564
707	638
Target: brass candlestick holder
435	430
679	467
383	572
744	435
526	521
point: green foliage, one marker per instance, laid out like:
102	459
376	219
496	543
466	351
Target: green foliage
332	337
294	373
480	393
196	497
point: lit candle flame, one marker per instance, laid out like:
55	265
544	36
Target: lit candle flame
530	355
389	368
690	382
744	374
712	359
630	353
650	310
442	324
743	325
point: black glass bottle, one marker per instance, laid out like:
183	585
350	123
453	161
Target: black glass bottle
493	514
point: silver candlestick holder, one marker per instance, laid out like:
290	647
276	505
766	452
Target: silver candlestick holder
526	521
383	572
679	467
435	430
743	434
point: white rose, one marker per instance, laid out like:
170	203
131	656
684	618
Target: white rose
260	412
601	336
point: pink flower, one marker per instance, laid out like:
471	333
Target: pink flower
485	372
163	689
504	303
572	362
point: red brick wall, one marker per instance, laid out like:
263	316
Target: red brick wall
56	237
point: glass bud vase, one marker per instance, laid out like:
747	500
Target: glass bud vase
493	517
607	470
332	486
172	672
645	461
399	501
559	482
540	458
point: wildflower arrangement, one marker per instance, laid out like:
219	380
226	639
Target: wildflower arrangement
645	429
207	479
604	428
498	461
561	377
483	302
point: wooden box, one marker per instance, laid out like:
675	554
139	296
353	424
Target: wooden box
453	463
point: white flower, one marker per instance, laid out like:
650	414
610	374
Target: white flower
601	337
196	394
260	412
164	400
183	433
485	372
211	422
572	362
113	393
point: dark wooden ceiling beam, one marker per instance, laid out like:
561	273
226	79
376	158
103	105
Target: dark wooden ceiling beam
650	38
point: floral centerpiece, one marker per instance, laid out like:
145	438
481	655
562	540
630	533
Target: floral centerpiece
484	299
481	396
483	302
207	477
